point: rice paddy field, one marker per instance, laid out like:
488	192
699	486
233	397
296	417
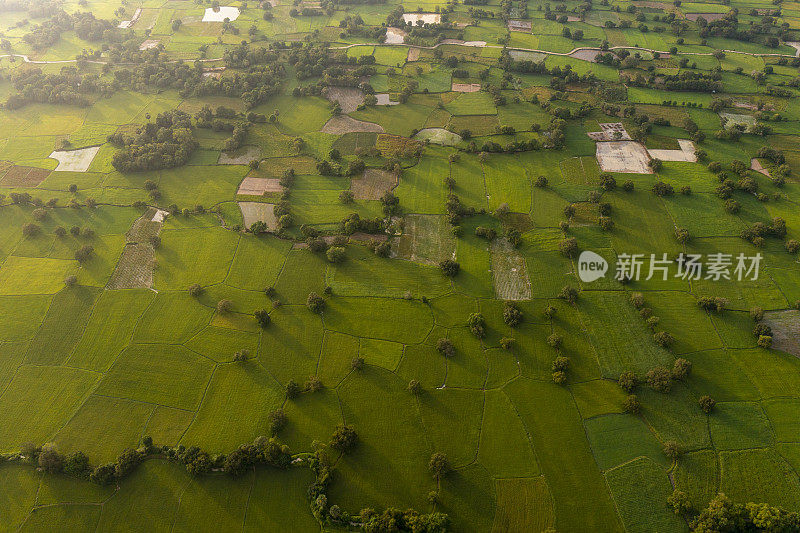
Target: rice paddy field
306	266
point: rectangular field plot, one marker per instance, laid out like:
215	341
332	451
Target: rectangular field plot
426	239
509	272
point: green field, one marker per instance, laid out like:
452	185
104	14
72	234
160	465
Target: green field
245	285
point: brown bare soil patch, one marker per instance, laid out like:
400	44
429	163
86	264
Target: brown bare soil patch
134	269
259	186
785	330
349	98
426	239
18	176
373	184
509	272
756	165
466	87
341	124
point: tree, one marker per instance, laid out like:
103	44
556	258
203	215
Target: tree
680	502
344	438
336	254
477	325
569	294
71	280
31	230
292	389
126	463
83	253
559	377
555	340
606	223
672	449
241	355
757	314
664	339
560	364
659	379
628	381
224	306
569	247
77	464
439	465
681	368
315	302
414	386
512	315
446	347
50	460
357	363
764	341
262	317
195	290
632	404
707	403
449	267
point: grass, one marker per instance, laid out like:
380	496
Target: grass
39	401
158	374
619	438
640	488
565	456
220	424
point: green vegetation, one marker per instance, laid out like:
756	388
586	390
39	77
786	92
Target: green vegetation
331	263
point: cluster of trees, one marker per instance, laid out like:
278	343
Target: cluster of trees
368	519
165	143
724	515
68	87
263	450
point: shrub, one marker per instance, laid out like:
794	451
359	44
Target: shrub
195	290
224	306
414	386
757	314
764	341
